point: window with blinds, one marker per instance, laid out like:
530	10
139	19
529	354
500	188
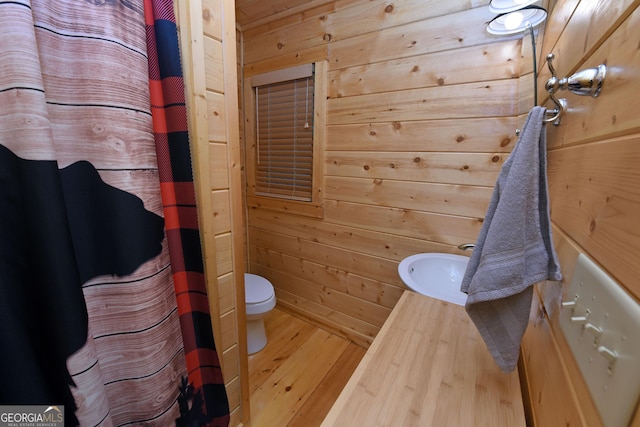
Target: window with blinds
284	136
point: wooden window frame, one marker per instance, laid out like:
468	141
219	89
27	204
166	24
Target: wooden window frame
314	207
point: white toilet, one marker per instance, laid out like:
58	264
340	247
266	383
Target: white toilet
260	298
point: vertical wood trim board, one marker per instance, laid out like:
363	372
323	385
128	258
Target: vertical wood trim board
229	51
208	46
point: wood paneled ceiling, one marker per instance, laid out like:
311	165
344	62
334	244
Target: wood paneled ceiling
255	12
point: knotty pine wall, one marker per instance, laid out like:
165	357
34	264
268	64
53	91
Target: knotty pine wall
594	185
422	112
208	48
406	176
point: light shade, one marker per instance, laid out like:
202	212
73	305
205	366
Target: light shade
517	21
506	6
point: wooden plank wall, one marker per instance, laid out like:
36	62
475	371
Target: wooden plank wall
422	112
208	48
594	190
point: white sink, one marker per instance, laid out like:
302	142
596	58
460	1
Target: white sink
435	275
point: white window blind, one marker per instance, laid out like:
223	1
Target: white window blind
284	121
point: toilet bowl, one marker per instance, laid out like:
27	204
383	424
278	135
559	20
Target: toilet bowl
260	299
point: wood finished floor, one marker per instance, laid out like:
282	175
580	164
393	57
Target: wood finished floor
296	378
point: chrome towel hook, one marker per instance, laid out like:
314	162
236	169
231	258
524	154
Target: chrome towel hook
585	83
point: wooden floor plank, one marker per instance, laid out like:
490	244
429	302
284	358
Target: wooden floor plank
286	389
319	403
296	378
285	335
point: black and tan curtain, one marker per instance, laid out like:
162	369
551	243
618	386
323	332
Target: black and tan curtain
103	306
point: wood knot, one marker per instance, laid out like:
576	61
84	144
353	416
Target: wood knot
279	46
396	125
592	225
366	167
287	388
460	138
323	18
417	160
440	81
389	8
415	69
327	37
373	133
377	181
465	167
495	159
206	15
505	142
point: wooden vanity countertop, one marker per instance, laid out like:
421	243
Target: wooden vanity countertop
428	366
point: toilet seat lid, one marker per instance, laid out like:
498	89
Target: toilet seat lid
257	289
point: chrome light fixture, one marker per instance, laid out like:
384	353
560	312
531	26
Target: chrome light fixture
514	16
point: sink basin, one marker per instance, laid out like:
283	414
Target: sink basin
435	275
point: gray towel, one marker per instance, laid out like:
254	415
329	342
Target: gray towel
514	250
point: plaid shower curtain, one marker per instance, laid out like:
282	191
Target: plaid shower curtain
178	201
